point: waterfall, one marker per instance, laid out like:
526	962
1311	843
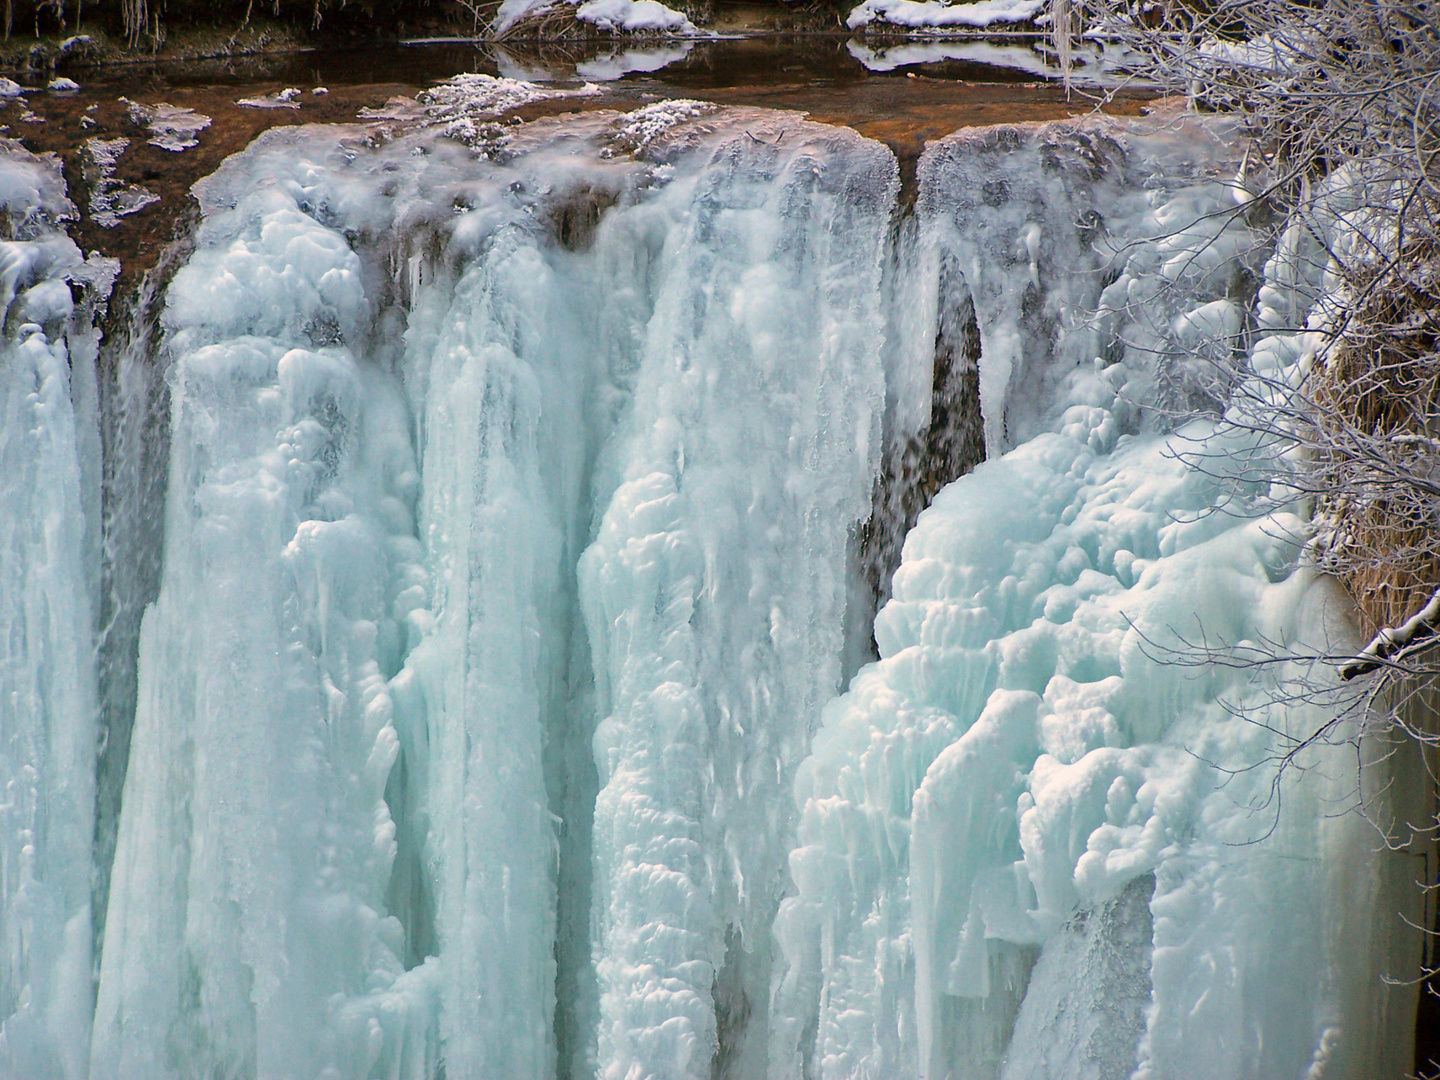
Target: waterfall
632	595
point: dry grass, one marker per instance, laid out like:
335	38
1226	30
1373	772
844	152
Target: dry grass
1380	425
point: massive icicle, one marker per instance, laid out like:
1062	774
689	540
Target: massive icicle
48	555
246	931
715	589
732	293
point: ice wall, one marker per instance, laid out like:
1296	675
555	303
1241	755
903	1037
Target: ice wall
1046	836
715	589
48	557
410	382
486	718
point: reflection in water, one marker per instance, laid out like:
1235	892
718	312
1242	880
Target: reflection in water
618	64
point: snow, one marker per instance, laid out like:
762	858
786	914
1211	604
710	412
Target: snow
634	16
9	88
467	96
614	16
936	14
62	85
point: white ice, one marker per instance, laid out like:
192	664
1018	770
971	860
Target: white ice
488	715
49	462
1045	836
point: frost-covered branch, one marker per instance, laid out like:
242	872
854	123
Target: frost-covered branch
1415	633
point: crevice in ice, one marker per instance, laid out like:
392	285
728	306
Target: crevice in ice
917	465
135	443
733	1008
408	895
575	218
973	1031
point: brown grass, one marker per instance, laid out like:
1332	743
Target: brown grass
1383	382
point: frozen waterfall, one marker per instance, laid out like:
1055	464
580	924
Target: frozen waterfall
492	716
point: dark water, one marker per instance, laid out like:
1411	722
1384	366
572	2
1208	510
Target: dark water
822	60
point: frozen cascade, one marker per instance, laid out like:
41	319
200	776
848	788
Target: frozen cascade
715	590
410	590
1027	848
515	482
49	454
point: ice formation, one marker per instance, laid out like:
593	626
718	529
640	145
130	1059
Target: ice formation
171	127
111	198
490	717
49	484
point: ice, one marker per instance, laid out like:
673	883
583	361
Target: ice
246	927
48	530
483	510
416	605
715	589
111	199
171	127
1031	845
281	99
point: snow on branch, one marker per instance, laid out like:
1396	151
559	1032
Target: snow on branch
1393	643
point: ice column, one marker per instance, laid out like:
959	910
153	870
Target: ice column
47	673
246	933
498	359
715	588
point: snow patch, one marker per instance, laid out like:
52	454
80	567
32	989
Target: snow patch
935	14
634	16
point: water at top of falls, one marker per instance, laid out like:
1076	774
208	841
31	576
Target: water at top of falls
519	529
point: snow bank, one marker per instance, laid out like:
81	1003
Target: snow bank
615	16
634	16
939	15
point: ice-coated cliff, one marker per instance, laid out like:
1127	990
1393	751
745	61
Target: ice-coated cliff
491	715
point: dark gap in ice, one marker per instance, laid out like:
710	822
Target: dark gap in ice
916	466
135	438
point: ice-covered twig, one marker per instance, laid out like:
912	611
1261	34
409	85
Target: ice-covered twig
1395	642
